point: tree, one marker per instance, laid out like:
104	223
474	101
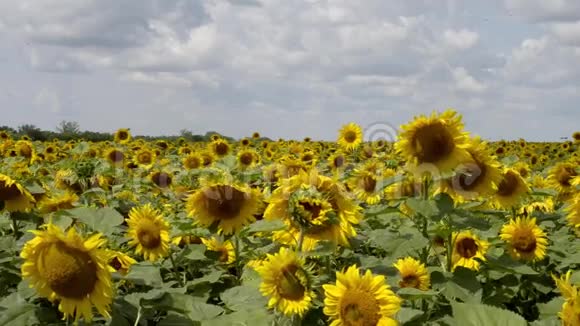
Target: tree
32	131
68	128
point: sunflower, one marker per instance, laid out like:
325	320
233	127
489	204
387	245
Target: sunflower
115	156
317	204
570	313
56	202
438	140
510	190
192	161
144	157
337	161
230	207
219	148
526	241
413	274
13	196
561	175
247	158
148	232
120	262
467	248
576	136
256	135
286	281
546	206
477	178
350	136
573	211
225	249
161	179
25	149
70	269
122	136
360	300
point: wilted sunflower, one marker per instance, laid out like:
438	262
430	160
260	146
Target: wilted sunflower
122	136
438	140
120	262
192	161
144	157
56	202
70	269
476	178
350	136
510	190
561	175
526	241
227	253
286	281
148	232
413	274
13	196
230	207
360	300
467	249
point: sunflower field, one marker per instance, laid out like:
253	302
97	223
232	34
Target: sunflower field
433	227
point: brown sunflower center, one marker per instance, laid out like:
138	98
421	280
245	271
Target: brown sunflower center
338	161
69	272
8	192
224	202
161	179
524	243
433	143
116	156
291	283
123	135
145	158
221	149
149	234
410	281
466	247
359	308
350	136
313	208
246	158
368	183
508	185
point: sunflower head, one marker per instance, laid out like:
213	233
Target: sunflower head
122	136
576	136
510	190
413	274
468	250
224	249
58	201
561	175
358	299
227	206
219	148
350	136
115	156
148	232
120	262
287	282
70	269
438	140
525	239
247	158
13	196
145	157
161	179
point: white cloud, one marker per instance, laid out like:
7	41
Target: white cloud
48	100
465	82
544	11
567	33
461	39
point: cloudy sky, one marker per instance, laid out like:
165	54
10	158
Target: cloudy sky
291	68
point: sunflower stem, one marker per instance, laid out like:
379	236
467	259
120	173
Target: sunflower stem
237	259
138	316
450	251
14	226
175	271
300	240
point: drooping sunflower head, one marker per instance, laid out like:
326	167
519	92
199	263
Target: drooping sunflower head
58	201
438	140
350	136
561	175
122	136
290	166
13	196
286	282
525	239
227	206
413	274
468	250
148	232
511	190
70	269
357	299
225	249
25	148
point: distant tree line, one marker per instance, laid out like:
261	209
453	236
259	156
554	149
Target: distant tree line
70	130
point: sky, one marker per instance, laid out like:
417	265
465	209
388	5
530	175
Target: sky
291	68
